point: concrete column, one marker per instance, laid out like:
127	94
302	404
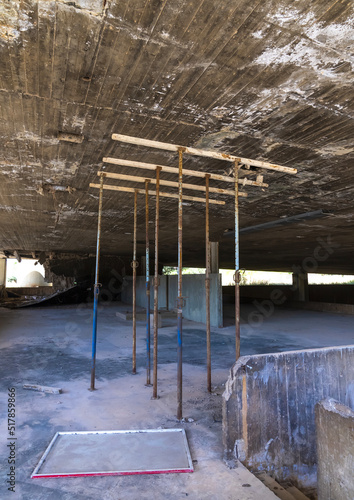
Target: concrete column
301	287
335	450
214	257
2	272
2	277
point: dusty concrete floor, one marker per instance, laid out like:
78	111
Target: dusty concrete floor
52	346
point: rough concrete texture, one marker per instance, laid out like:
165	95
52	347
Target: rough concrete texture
269	80
52	346
269	408
335	450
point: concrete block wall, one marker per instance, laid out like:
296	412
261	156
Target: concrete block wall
193	289
127	291
269	408
335	450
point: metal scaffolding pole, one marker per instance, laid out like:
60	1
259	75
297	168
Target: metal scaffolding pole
179	298
96	288
237	266
156	282
207	282
148	364
134	266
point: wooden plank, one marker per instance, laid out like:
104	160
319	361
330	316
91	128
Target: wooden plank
194	187
275	487
42	388
174	170
201	152
297	494
152	193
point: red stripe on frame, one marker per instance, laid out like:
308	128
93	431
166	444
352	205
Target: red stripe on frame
36	476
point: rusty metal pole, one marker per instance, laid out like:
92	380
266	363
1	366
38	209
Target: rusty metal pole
134	266
148	365
179	298
96	287
237	267
207	281
156	282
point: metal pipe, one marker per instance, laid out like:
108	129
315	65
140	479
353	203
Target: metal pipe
179	298
134	265
237	266
148	363
156	282
207	282
96	287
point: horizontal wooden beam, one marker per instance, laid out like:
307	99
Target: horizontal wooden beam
153	193
77	138
194	187
201	152
174	170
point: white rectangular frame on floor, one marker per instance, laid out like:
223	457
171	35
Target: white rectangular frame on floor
37	474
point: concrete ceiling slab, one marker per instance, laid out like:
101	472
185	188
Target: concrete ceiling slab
268	80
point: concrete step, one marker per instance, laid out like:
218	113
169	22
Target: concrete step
275	487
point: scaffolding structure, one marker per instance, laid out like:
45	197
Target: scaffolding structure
235	181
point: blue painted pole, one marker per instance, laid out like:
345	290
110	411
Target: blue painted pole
96	287
179	298
148	360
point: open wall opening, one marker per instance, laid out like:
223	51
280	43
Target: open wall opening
264	291
25	274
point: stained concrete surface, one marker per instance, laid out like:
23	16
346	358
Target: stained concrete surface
273	429
52	346
335	449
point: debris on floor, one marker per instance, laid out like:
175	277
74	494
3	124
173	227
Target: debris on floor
42	388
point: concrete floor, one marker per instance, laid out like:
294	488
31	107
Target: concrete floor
52	346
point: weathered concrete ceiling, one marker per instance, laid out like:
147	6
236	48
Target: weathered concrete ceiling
266	79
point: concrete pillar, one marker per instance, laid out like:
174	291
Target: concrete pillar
301	287
335	450
214	257
2	277
2	272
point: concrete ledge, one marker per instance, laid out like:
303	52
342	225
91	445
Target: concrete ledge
34	290
335	450
269	409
